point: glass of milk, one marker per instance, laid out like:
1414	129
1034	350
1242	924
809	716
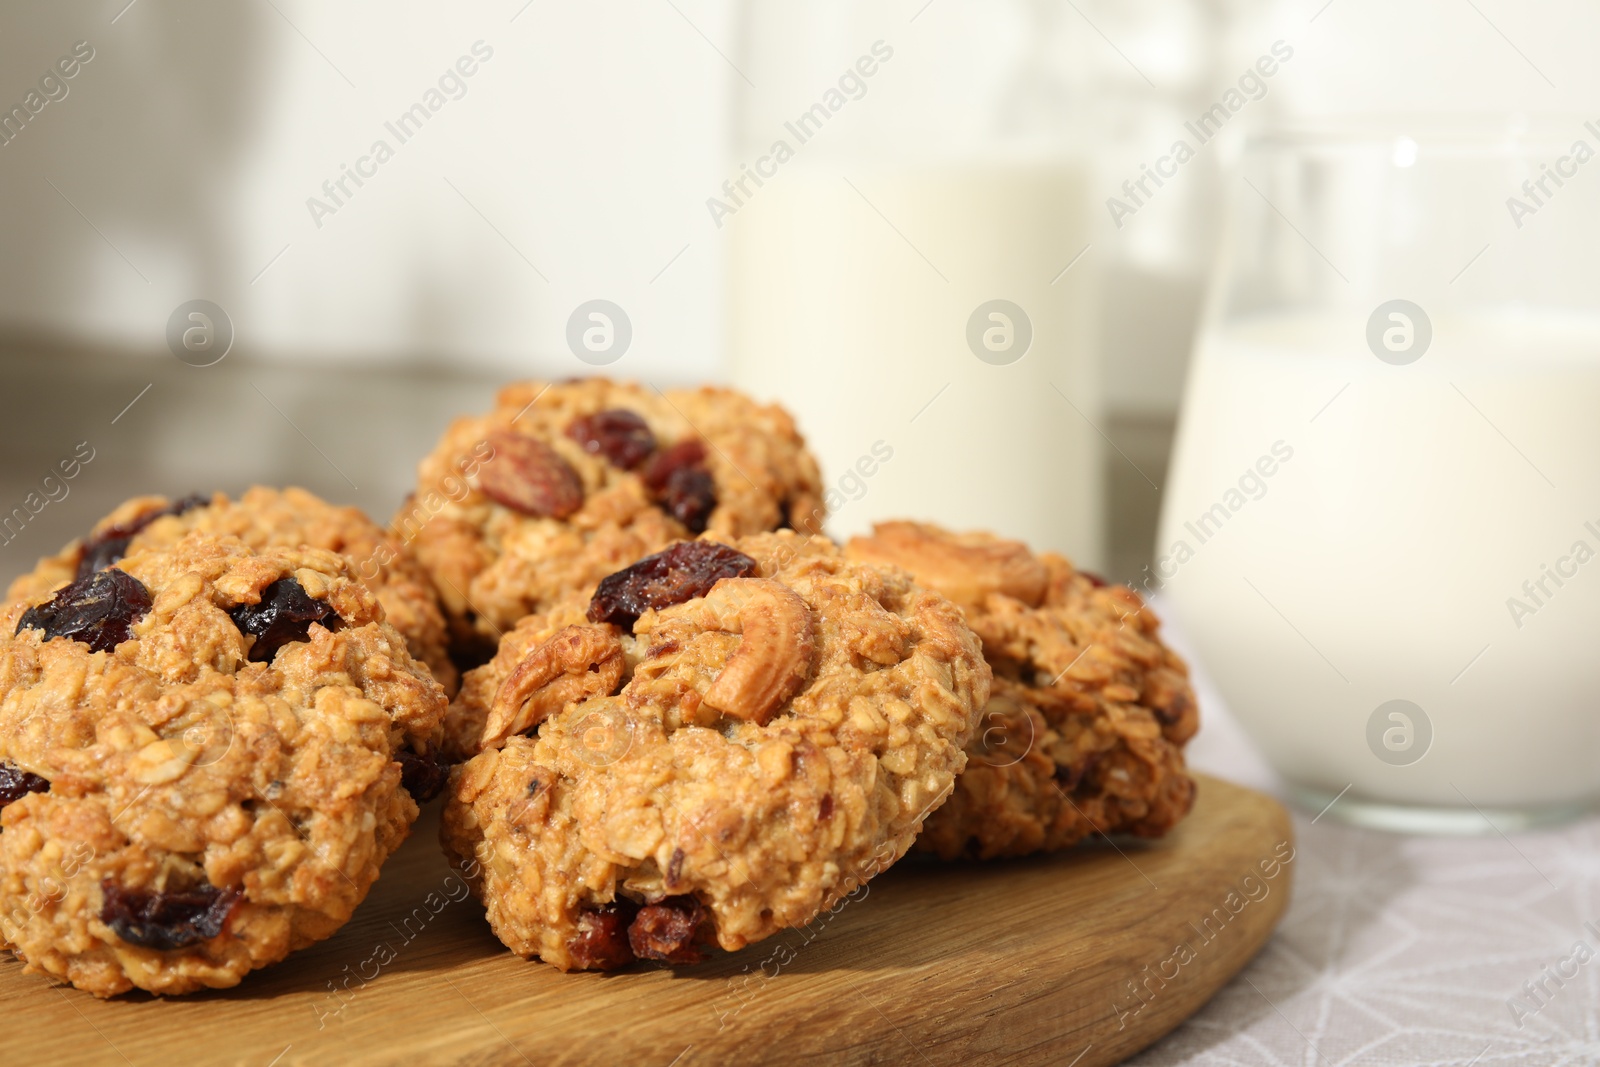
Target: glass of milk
1382	529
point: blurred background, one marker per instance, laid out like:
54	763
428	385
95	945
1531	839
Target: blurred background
397	206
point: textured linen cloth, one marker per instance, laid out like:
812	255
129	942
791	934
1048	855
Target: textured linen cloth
1404	951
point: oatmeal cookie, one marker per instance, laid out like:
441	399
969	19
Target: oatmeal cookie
723	741
267	518
1084	731
200	763
563	484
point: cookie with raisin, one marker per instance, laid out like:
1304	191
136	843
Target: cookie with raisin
561	484
713	745
268	518
201	763
1085	728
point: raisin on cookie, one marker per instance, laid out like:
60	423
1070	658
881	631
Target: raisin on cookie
1085	729
562	484
200	765
721	741
267	518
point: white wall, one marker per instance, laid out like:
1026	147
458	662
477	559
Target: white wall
194	137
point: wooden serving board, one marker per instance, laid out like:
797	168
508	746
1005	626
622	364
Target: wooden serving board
1024	961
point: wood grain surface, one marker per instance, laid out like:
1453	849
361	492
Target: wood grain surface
1090	954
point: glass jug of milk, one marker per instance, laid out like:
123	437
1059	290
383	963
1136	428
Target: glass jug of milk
1383	523
908	222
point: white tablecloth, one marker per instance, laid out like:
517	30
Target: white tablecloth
1407	950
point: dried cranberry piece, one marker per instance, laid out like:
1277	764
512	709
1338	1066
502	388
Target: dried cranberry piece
424	777
284	614
665	930
16	783
673	576
166	920
528	476
103	549
691	497
99	610
621	436
601	943
100	552
690	452
1070	777
1094	579
678	479
675	867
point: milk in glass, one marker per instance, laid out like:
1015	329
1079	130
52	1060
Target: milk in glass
1428	533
